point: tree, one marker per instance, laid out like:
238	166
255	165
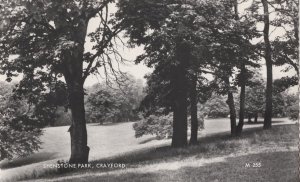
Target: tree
281	50
255	97
281	98
268	58
114	103
157	124
48	39
229	48
194	117
164	18
195	26
247	58
200	91
102	106
292	106
46	104
216	107
19	130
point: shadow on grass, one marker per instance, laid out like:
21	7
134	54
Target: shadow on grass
34	158
274	166
148	140
260	122
107	124
214	145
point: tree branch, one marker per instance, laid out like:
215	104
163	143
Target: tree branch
99	53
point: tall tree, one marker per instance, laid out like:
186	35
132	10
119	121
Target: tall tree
229	48
269	65
48	39
246	57
170	55
242	82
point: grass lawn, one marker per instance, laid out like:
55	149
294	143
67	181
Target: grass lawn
217	157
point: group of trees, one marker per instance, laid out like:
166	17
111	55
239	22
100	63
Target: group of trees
44	41
184	40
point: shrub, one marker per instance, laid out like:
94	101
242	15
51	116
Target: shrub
19	129
160	125
19	135
293	111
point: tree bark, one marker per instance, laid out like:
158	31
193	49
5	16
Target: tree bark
269	88
78	133
242	100
194	117
230	102
179	138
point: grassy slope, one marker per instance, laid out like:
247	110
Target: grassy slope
216	158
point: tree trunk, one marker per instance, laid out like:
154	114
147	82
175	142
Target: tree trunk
78	133
240	125
179	138
249	118
230	102
255	118
194	117
73	73
242	100
269	88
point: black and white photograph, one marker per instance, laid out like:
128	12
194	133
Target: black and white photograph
149	91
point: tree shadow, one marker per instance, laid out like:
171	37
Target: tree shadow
34	158
261	122
274	166
148	140
108	124
213	145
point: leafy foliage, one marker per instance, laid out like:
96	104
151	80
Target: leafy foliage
160	126
292	105
255	96
216	107
108	104
284	83
19	130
